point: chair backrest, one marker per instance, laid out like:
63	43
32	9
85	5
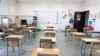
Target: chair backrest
45	43
42	54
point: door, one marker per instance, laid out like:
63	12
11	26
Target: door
80	20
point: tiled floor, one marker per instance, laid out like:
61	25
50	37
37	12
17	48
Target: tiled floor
65	46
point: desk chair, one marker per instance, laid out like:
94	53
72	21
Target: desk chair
45	43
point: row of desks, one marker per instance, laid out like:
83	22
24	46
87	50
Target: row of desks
16	40
47	50
83	39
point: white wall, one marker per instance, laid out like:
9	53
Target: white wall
4	7
27	8
94	7
8	7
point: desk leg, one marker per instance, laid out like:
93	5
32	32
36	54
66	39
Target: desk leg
30	37
65	32
74	40
7	47
83	48
19	47
68	35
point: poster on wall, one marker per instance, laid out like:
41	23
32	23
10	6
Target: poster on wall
92	16
70	13
64	14
92	19
98	15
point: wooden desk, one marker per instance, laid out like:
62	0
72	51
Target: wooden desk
49	29
53	38
77	33
15	38
32	27
45	51
69	32
11	29
85	41
50	33
98	51
31	33
66	29
77	36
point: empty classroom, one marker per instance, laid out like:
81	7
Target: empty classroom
49	28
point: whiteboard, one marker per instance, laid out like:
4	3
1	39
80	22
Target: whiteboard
46	16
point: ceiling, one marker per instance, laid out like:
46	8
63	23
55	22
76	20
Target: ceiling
52	0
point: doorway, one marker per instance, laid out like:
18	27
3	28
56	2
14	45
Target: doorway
80	20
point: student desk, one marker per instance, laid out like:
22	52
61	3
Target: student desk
66	29
85	41
11	30
98	51
90	31
77	36
54	40
69	32
50	33
45	51
49	29
15	38
93	31
31	33
32	27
